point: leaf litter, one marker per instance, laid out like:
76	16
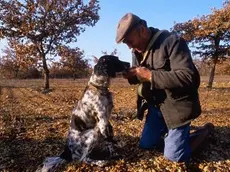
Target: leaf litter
35	125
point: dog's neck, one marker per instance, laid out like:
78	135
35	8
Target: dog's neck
100	82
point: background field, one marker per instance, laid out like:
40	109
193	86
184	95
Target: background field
34	125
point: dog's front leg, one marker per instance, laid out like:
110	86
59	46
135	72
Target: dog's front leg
102	117
102	124
92	138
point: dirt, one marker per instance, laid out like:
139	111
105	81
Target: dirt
35	125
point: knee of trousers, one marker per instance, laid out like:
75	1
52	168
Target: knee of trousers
177	152
177	157
146	145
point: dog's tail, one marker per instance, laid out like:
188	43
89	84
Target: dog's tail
51	163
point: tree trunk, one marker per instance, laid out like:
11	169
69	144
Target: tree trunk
46	73
16	71
211	78
74	76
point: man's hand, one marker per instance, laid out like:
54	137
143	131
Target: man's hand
143	74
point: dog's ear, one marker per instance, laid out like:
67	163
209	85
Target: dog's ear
95	59
100	67
108	65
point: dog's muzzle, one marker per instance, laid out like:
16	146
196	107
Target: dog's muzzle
126	66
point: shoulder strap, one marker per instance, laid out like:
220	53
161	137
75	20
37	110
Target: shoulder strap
154	38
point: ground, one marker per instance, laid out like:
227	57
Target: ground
34	125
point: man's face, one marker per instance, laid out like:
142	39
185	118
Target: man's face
134	40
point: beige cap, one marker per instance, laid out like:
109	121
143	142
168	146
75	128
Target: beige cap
127	22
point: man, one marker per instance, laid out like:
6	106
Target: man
169	81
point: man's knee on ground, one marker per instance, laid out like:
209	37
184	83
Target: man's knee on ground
146	145
177	156
177	146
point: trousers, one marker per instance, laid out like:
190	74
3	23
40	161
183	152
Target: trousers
175	142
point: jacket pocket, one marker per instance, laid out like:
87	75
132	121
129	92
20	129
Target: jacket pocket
188	110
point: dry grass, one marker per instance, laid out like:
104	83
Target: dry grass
34	125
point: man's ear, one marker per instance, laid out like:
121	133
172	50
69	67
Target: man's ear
142	31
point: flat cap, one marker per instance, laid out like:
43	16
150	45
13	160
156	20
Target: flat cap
127	22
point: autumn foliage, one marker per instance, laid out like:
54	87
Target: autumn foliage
35	125
46	25
208	35
19	61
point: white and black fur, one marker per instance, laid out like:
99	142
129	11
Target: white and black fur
90	132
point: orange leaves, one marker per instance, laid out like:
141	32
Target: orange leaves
35	125
208	34
1	33
215	24
72	62
18	58
47	22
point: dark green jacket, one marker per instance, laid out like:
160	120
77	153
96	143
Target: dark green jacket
175	79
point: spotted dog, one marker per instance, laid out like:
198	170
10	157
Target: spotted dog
90	137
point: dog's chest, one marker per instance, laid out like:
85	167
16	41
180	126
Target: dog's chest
101	102
99	98
85	115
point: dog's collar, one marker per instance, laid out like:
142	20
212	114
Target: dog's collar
100	82
98	87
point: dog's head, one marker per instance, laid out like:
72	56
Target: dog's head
109	65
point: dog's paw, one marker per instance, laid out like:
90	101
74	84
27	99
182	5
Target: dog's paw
109	131
100	163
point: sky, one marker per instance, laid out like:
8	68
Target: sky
159	14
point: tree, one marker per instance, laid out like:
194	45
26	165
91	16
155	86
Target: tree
209	35
17	58
46	24
73	59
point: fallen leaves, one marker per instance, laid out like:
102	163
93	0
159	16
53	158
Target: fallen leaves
35	125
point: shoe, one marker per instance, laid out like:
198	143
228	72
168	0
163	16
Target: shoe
199	136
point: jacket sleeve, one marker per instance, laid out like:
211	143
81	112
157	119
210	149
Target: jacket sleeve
182	71
134	80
